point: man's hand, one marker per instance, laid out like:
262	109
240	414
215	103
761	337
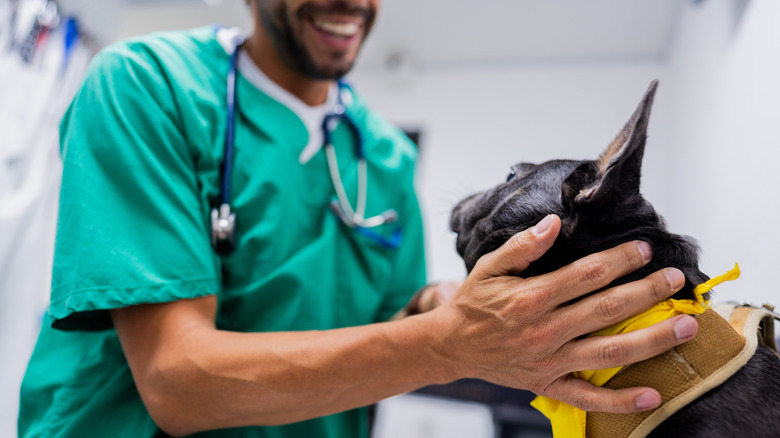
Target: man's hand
526	333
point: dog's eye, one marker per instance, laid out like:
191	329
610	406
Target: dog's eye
511	175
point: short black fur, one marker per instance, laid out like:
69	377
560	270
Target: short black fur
600	206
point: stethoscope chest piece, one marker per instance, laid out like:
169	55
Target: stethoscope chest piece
223	227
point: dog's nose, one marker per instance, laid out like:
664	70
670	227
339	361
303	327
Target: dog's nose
457	220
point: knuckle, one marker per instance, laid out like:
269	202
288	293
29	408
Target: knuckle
536	296
516	243
592	271
543	337
632	255
538	387
541	383
609	307
611	353
585	401
542	378
659	290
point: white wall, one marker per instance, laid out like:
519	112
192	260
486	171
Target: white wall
724	148
477	123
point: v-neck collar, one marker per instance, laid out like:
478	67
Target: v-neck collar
310	116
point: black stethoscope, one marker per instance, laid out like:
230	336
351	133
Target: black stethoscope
223	220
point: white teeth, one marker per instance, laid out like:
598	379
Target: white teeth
339	29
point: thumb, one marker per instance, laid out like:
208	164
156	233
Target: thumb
520	250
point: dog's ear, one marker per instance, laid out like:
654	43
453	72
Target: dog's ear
614	177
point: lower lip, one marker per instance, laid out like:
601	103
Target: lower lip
334	42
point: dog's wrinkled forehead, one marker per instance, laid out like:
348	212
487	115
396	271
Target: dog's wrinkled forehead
534	188
540	185
531	192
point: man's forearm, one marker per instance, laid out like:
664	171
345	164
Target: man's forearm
209	379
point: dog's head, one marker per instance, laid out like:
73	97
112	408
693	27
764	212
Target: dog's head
599	204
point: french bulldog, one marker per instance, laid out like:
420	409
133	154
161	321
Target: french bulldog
600	206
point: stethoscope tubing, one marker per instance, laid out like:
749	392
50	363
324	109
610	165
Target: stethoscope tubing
230	129
223	220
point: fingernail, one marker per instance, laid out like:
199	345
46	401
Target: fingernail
675	278
543	225
644	249
647	400
685	328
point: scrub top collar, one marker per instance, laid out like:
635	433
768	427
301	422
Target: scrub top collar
310	116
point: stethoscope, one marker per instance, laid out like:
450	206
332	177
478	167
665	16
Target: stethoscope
223	220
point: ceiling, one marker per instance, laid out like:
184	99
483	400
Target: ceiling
456	33
445	34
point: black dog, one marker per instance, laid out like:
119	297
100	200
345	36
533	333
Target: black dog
600	206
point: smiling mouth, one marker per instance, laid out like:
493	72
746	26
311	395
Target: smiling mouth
338	29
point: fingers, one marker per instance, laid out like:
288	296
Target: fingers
520	250
596	271
599	352
445	292
618	303
587	397
609	351
437	295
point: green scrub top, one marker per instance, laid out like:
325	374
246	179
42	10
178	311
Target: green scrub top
142	145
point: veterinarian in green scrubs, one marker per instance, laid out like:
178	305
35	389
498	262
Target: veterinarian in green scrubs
150	330
142	159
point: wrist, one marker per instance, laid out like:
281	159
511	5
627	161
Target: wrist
440	344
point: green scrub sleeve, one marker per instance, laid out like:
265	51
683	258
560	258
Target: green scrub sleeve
132	227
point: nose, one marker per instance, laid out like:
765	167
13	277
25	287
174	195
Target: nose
457	219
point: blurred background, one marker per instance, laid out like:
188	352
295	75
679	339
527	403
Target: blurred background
484	85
